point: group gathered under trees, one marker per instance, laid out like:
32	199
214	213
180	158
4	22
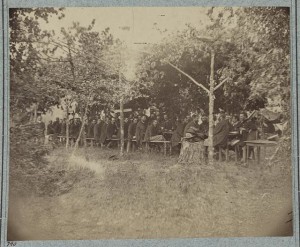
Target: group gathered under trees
238	63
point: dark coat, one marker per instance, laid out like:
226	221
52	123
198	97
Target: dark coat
234	127
177	134
131	130
50	129
76	129
112	129
90	133
167	125
126	125
197	132
151	131
97	131
63	129
220	134
250	127
140	132
56	127
103	133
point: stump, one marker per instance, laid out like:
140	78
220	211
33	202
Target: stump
192	153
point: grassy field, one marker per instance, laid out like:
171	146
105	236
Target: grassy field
97	196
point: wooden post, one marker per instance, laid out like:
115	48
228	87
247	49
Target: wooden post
211	109
81	128
67	127
121	121
35	112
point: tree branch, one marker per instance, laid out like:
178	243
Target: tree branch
188	76
220	84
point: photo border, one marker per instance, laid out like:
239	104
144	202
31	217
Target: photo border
4	118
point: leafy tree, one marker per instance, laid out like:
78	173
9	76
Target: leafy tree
123	84
25	33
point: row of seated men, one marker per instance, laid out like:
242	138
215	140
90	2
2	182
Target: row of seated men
108	128
236	129
145	129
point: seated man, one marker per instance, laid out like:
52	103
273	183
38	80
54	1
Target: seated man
153	132
166	124
178	132
234	123
248	131
221	131
192	148
132	129
196	130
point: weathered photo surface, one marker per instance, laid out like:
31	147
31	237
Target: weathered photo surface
138	123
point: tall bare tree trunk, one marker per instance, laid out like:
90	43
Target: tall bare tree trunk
67	128
211	109
122	127
35	112
81	128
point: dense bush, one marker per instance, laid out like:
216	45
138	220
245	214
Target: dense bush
31	172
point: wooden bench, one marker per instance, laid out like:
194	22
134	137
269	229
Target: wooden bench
91	141
64	138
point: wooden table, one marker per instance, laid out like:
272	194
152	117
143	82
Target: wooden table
258	144
165	143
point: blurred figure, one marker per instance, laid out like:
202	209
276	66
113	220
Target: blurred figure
140	131
56	126
166	124
234	123
62	127
153	133
91	129
97	131
103	132
178	132
50	129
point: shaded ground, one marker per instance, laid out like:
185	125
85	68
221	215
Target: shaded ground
150	196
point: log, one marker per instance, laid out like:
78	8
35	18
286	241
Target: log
192	153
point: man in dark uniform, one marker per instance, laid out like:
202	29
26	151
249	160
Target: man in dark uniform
91	129
153	132
56	126
97	131
234	123
247	129
112	129
71	128
178	132
77	126
193	140
140	131
126	125
132	129
103	132
221	131
166	124
63	127
50	129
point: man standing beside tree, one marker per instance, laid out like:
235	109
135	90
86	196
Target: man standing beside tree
140	131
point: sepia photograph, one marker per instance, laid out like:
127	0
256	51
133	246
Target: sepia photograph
149	123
